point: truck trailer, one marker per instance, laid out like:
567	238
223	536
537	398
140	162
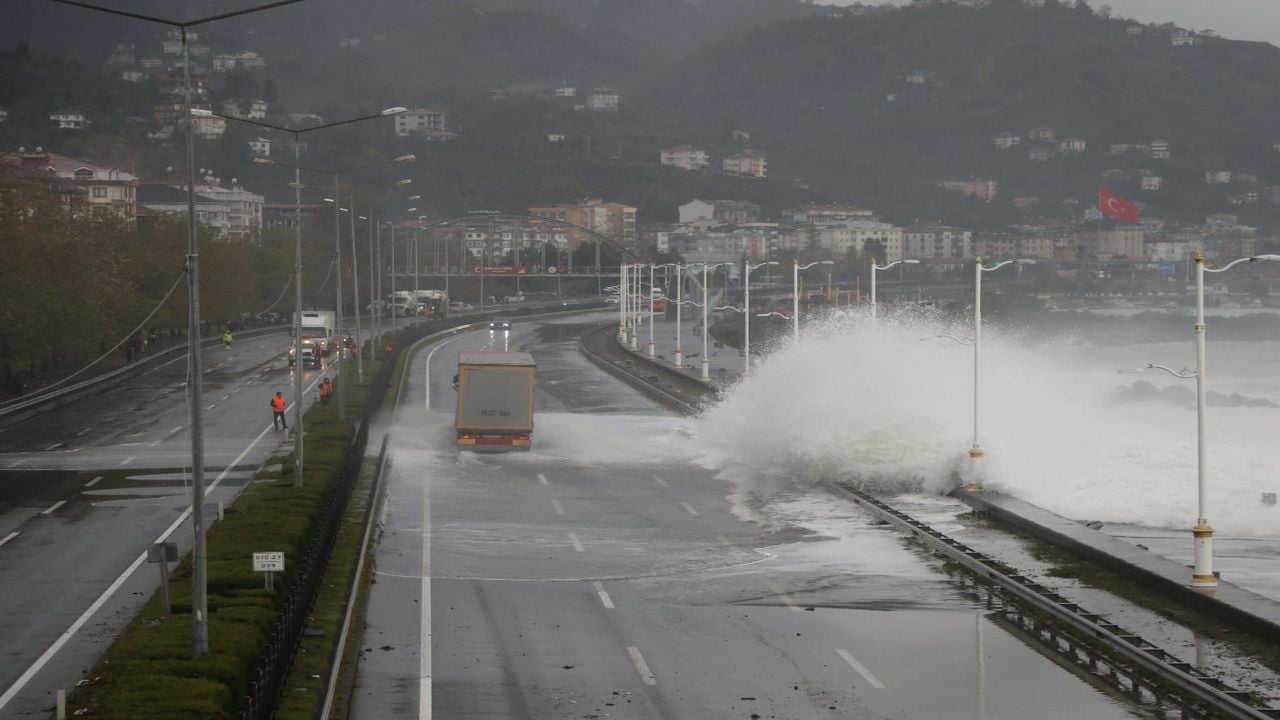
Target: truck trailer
495	400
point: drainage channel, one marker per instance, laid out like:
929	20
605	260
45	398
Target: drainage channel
1159	681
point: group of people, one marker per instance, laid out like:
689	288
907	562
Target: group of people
279	404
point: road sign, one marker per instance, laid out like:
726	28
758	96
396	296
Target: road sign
1167	268
268	562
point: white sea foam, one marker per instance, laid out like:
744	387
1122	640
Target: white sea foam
892	410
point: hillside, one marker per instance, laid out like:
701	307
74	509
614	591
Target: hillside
878	107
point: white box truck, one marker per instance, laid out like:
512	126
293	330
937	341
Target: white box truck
495	400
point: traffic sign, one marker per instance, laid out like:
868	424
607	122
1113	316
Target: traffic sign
268	562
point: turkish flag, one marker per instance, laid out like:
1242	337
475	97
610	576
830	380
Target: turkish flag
1114	206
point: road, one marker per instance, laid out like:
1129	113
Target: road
84	489
606	573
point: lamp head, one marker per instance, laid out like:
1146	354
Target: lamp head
911	262
395	110
404	181
264	161
405	158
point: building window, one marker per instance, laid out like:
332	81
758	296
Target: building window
99	192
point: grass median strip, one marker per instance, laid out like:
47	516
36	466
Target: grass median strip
148	672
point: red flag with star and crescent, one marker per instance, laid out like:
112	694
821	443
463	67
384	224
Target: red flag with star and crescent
1114	206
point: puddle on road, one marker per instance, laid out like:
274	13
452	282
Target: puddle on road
44	487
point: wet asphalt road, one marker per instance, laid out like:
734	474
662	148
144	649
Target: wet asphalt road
85	488
601	576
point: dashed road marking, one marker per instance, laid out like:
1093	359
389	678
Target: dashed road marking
177	429
543	479
54	446
18	462
577	544
9	537
660	481
53	507
224	397
82	432
861	669
94	481
689	509
212	406
642	667
604	596
126	461
153	443
555	504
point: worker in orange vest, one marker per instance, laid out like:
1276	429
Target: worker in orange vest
277	408
326	390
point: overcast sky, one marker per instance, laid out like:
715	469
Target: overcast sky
1236	19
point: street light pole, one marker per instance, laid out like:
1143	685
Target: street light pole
355	291
373	298
975	452
746	314
795	294
195	388
341	317
299	360
874	268
652	354
679	303
706	362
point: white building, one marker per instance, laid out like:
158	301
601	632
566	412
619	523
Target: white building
1151	182
1217	177
854	235
602	99
261	147
421	120
69	120
748	163
1007	140
209	128
224	63
936	242
566	91
687	157
131	75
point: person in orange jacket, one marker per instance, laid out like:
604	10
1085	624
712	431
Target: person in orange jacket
326	391
278	405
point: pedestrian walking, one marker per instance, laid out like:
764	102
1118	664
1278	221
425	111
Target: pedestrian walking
277	412
326	391
226	339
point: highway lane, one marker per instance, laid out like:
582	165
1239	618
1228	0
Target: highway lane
607	574
86	487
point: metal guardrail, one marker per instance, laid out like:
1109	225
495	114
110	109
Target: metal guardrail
1202	695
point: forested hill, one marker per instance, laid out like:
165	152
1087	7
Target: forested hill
874	105
906	97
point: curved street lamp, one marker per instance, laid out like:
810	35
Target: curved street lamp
746	313
1202	575
795	294
975	452
874	269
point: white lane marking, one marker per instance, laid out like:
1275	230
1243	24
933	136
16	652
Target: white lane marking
604	596
212	406
126	461
54	446
689	508
72	450
115	585
177	429
224	397
555	505
82	432
9	537
782	595
642	667
153	443
542	479
577	544
861	669
427	371
53	507
94	481
16	463
424	649
660	481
